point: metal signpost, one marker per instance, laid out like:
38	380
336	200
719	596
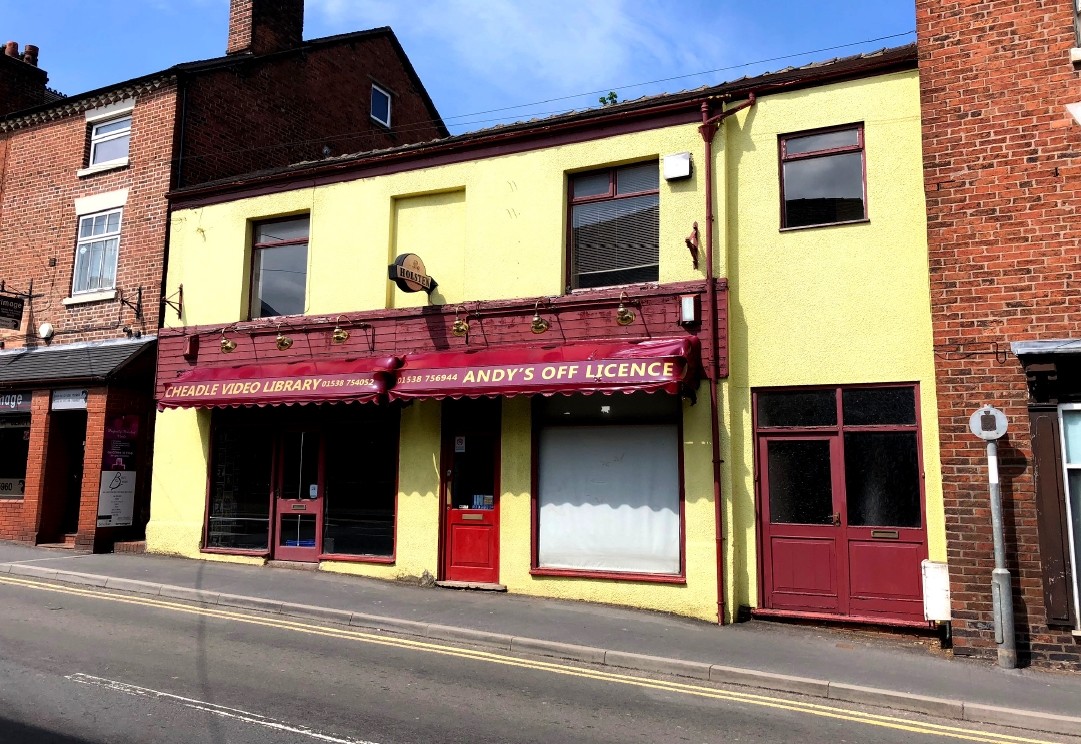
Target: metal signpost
989	424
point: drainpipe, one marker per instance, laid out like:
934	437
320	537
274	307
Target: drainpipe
710	125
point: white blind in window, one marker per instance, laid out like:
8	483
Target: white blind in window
609	498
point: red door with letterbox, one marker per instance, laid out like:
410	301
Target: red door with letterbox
470	497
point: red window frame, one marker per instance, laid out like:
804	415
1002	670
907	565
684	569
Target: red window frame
785	157
270	244
570	278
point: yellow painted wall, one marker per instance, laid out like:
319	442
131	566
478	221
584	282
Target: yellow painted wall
827	305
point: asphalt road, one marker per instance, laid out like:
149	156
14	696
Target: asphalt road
81	665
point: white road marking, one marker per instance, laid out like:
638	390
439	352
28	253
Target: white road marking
218	710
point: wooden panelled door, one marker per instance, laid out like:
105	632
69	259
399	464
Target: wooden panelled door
841	501
470	466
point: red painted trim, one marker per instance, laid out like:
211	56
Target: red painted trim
840	619
609	575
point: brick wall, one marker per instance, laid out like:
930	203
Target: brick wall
287	108
1003	186
38	224
22	84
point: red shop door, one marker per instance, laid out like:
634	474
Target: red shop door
842	525
803	559
471	490
298	496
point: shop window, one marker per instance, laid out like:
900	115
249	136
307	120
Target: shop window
822	177
362	484
14	451
609	489
380	106
1071	461
614	227
279	274
343	459
96	252
239	514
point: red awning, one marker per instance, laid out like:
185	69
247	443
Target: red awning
670	365
322	381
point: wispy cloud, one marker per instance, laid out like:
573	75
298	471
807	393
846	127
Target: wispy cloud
526	52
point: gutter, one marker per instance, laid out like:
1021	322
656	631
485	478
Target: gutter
708	129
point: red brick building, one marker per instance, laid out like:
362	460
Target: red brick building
1002	164
83	225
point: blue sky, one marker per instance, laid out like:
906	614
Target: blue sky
475	56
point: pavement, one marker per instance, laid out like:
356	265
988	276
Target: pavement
902	672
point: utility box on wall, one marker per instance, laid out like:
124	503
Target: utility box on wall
936	591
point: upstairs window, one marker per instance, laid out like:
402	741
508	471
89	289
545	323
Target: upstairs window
95	252
380	106
109	141
614	227
279	274
822	177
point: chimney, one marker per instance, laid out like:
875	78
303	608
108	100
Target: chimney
264	26
22	82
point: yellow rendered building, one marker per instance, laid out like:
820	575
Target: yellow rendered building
500	360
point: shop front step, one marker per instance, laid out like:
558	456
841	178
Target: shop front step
476	585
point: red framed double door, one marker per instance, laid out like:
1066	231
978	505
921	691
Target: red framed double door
470	490
843	528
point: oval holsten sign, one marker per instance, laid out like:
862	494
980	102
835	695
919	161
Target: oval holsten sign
409	274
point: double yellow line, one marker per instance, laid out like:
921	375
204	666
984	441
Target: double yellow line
825	711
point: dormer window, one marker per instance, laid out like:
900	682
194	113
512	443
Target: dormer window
380	106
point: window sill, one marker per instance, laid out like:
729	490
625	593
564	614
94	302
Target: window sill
865	220
85	297
18	499
236	551
350	558
609	575
1075	58
102	167
1076	633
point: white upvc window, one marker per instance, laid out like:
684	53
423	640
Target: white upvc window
96	252
1070	426
109	141
380	105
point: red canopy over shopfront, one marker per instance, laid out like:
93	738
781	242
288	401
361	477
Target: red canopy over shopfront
314	381
670	365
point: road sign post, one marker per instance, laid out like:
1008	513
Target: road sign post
989	424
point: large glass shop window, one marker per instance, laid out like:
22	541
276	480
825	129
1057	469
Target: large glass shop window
362	483
351	449
609	483
14	451
239	515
